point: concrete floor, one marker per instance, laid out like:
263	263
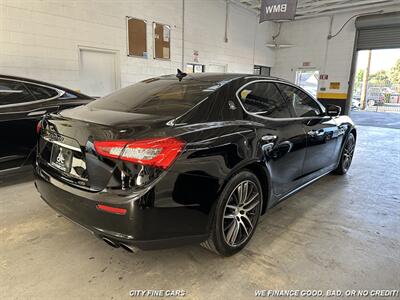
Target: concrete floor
339	233
377	119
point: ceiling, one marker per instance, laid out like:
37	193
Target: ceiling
316	8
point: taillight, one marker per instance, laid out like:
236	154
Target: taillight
156	152
39	127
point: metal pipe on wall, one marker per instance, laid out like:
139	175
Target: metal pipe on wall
226	21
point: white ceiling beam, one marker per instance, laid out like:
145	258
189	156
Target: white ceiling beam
351	9
341	6
321	3
315	8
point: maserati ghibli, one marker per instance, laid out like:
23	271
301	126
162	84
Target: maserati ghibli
185	158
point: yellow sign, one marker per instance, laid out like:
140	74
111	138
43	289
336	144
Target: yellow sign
334	85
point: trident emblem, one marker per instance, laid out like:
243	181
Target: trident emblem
60	157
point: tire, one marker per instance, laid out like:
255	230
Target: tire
236	215
346	156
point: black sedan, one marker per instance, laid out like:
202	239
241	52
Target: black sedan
23	102
193	159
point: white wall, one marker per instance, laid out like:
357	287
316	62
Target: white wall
333	57
40	39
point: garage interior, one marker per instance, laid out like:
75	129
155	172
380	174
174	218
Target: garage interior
340	233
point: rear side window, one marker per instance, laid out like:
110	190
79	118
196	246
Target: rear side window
157	96
303	104
14	92
41	92
263	98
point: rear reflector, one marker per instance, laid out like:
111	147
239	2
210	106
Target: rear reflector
110	209
156	152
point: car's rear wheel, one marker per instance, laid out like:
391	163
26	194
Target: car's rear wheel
347	155
236	214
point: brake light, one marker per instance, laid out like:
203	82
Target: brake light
156	152
111	209
38	127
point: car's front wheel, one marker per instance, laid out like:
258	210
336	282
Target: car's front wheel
347	155
236	214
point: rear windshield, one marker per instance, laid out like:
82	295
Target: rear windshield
157	96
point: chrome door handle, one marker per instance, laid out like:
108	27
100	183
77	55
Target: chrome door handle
315	133
269	138
37	113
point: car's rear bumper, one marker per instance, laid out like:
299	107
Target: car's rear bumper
144	227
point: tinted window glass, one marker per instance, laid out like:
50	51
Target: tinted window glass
67	95
304	105
13	92
40	92
265	99
157	96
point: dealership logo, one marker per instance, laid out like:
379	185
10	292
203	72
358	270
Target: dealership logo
272	10
275	8
60	157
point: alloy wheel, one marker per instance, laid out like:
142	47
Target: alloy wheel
241	213
348	153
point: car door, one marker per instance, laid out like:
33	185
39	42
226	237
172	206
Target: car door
281	138
322	131
22	105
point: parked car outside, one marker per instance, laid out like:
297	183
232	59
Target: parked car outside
23	102
375	96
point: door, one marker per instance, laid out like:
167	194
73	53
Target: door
322	131
22	105
282	138
98	72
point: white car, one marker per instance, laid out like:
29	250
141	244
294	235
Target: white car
355	104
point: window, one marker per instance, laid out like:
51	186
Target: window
304	105
261	70
264	98
68	95
162	34
167	96
14	92
137	41
41	92
308	80
194	68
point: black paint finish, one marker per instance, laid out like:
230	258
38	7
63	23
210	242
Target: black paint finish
175	206
23	102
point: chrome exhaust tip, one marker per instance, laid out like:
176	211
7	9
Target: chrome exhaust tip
110	242
127	248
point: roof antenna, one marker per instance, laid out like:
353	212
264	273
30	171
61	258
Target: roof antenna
180	75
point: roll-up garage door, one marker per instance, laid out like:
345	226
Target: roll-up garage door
378	31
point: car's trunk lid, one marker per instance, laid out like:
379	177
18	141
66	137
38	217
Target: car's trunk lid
66	146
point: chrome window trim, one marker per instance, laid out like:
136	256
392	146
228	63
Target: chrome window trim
27	111
59	93
278	119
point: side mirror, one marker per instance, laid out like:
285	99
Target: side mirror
333	110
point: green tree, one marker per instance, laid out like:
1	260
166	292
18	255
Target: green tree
358	80
394	73
381	77
360	75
